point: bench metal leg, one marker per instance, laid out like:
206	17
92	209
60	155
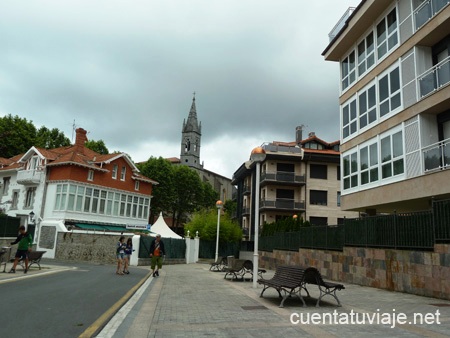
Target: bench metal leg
331	292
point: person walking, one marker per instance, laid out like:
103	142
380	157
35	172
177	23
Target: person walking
25	241
120	252
128	251
157	252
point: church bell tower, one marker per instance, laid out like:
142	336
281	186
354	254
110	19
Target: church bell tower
191	135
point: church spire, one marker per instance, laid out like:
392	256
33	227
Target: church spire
192	124
191	138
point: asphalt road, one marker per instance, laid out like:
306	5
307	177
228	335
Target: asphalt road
63	304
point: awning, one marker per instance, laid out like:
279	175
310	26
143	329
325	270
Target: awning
99	227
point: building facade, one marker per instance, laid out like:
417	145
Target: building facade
297	178
76	187
394	59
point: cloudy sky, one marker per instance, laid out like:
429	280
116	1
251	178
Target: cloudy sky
125	71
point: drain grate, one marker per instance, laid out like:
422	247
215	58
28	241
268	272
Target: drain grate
441	305
254	307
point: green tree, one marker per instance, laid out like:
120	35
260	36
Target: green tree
205	222
210	196
230	207
17	135
160	170
188	193
97	146
50	139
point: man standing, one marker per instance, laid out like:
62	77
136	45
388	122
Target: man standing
25	243
156	253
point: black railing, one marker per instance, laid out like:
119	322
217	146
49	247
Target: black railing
282	204
415	230
175	248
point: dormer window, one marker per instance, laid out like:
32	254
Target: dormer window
114	171
33	163
90	175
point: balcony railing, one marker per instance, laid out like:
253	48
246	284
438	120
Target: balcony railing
437	156
29	176
283	177
245	211
427	10
282	204
434	78
340	24
275	148
246	190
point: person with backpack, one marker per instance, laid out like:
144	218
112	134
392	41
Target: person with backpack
25	241
157	252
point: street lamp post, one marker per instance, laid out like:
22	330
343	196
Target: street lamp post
258	155
219	205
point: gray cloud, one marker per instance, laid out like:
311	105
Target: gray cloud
126	71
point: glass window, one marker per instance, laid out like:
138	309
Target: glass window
318	197
350	170
367	107
348	70
366	54
392	162
349	119
122	173
318	171
389	92
387	34
114	171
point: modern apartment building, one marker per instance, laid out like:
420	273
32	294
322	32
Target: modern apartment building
297	178
394	59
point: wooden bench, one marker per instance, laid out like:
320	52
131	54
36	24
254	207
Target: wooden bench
288	279
313	276
34	257
218	265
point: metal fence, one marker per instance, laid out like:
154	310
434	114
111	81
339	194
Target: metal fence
415	230
175	248
208	249
9	226
441	220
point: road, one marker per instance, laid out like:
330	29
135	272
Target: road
63	304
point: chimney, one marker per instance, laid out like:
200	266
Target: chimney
80	139
298	134
311	134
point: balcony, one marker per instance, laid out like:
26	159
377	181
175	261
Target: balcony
436	156
282	178
29	177
245	211
427	10
282	204
246	190
435	78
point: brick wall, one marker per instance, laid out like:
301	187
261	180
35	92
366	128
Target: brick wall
417	272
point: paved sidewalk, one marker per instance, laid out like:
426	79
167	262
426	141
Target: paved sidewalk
191	301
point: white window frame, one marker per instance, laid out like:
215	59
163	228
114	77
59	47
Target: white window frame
123	172
364	59
388	73
389	35
373	108
136	185
348	70
114	171
351	121
401	157
370	145
90	175
352	172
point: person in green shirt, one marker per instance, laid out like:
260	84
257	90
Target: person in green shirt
25	241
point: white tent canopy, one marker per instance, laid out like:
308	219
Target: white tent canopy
160	227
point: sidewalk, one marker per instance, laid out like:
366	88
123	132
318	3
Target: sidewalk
191	301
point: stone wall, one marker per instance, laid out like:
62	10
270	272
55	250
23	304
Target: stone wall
418	272
99	248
